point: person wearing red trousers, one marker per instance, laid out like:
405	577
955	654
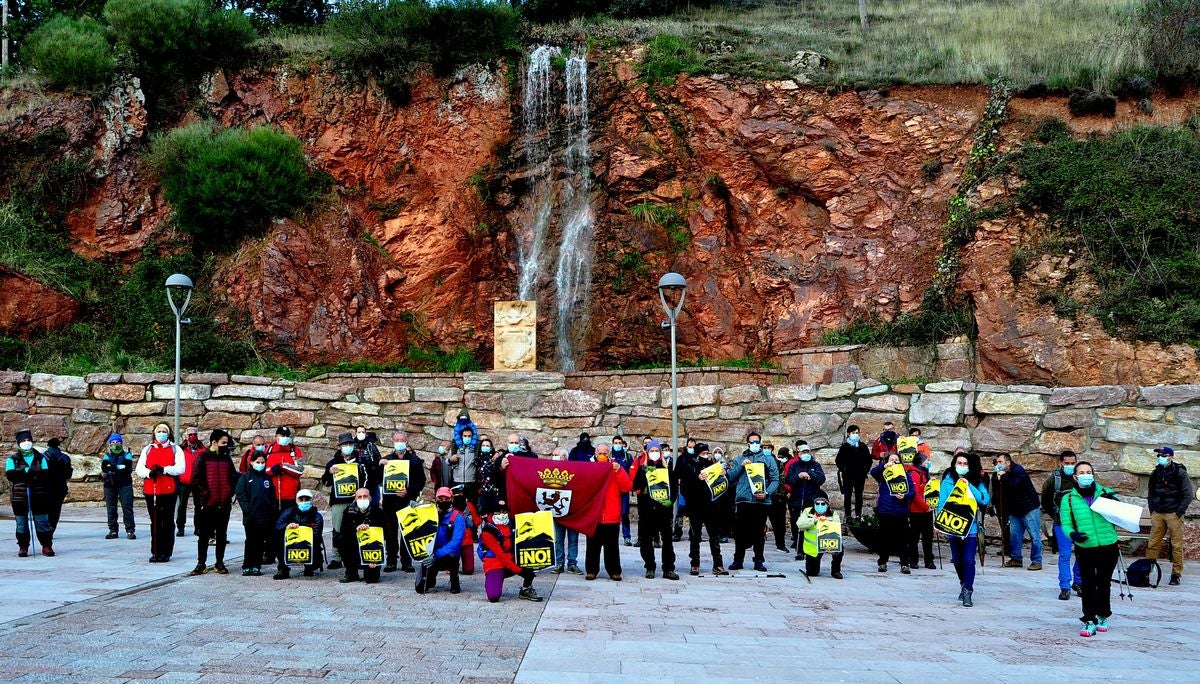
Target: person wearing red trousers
496	550
160	464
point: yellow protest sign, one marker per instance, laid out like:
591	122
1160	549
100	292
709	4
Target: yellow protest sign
395	476
715	478
896	478
418	527
345	480
933	492
956	515
298	546
370	546
658	487
756	473
829	535
907	448
533	541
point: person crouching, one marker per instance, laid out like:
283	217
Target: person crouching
363	515
807	522
496	552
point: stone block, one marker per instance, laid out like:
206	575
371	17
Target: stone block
428	408
48	402
147	378
481	401
907	388
447	394
741	394
250	380
872	390
146	408
273	419
43	426
955	350
697	412
85	466
845	372
59	385
1010	403
317	390
567	403
120	392
387	394
1088	397
838	406
718	430
1038	463
296	405
14	404
519	381
946	438
572	424
517	402
318	431
518	424
793	426
213	420
360	408
142	425
1167	395
730	412
235	406
768	407
1031	389
1003	433
82	415
871	424
1132	413
890	403
633	396
694	395
102	378
193	392
1137	432
1053	442
835	390
935	409
80	492
1187	416
267	392
87	439
1071	418
791	392
11	377
947	386
954	369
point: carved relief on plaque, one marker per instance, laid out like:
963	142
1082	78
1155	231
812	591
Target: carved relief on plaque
515	329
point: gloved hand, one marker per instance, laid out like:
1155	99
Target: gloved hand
1079	537
428	561
276	470
156	471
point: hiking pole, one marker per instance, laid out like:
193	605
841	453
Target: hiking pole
29	515
1123	577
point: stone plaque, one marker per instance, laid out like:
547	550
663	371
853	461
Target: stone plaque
515	330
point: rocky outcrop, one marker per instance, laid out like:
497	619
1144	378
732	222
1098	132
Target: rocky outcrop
29	307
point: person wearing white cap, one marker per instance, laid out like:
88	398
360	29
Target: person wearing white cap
303	514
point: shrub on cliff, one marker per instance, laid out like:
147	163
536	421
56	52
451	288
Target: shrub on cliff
668	56
71	53
224	184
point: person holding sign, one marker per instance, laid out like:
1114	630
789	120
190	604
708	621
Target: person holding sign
822	534
755	477
403	480
362	539
920	514
962	493
895	491
703	483
446	547
344	475
804	478
301	548
1095	541
656	485
496	550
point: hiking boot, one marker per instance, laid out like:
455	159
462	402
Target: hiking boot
590	576
455	589
962	593
1034	566
799	556
256	572
47	552
335	565
246	572
558	569
967	603
628	541
720	572
130	535
1174	580
1013	563
1089	629
649	574
111	535
670	574
220	569
390	567
615	578
930	566
348	579
1077	589
883	567
760	567
695	571
574	570
735	566
199	569
282	574
904	570
836	575
1064	595
1102	625
529	594
782	547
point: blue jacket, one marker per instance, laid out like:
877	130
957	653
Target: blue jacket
737	475
980	494
802	492
888	504
452	527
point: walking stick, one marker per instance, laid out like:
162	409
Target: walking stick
1123	576
29	515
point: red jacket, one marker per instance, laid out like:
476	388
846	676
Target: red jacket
215	478
620	484
189	461
920	478
285	480
170	457
499	554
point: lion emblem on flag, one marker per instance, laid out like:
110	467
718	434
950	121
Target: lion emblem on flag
557	501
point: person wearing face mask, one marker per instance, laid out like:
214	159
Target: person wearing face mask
809	517
655	496
583	449
566	541
752	505
192	448
214	478
963	547
258	445
1170	494
161	462
920	515
605	541
892	511
439	468
1024	511
393	502
622	457
885	442
804	479
31	486
60	475
367	447
703	509
853	463
496	553
464	464
341	496
464	430
447	546
492	469
255	493
284	463
1056	486
303	514
358	517
726	507
116	469
1095	541
777	515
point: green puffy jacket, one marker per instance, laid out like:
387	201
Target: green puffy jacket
1075	515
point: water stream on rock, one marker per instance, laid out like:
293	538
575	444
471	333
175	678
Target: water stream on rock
535	114
573	278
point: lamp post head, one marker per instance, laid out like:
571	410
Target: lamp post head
183	285
672	281
672	284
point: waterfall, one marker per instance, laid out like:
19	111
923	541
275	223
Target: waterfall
573	278
536	119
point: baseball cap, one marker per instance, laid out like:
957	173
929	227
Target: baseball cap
445	491
1165	451
304	493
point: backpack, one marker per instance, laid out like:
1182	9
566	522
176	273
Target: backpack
1138	573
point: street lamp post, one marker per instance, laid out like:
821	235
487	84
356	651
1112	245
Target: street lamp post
673	284
181	285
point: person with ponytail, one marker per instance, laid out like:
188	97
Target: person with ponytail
160	465
1095	541
962	548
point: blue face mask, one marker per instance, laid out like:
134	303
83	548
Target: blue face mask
755	447
806	457
999	467
259	466
961	470
347	449
1163	461
853	440
769	452
304	506
821	508
618	448
285	441
485	450
1086	480
514	448
1069	469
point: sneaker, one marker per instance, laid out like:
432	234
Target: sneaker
558	569
799	556
615	578
760	567
1089	629
1064	595
23	552
720	572
1035	566
1077	589
335	565
695	571
130	535
962	593
529	594
282	574
257	572
649	574
1174	580
904	570
628	541
883	567
735	566
590	576
111	535
1102	625
574	570
930	566
348	579
724	540
247	572
967	602
836	575
220	569
670	574
455	590
782	548
1014	563
47	552
199	569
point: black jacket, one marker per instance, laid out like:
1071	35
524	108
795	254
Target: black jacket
416	480
803	492
351	519
645	503
854	461
114	476
1170	489
60	469
327	478
256	495
695	490
313	519
1020	496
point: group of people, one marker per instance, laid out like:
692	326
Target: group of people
758	484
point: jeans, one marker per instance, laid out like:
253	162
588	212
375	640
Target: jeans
1066	574
41	526
625	516
962	554
571	537
1017	527
125	495
1096	567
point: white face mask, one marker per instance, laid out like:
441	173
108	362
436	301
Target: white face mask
26	445
500	518
363	504
655	455
360	436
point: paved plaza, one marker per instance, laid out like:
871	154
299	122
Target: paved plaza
98	612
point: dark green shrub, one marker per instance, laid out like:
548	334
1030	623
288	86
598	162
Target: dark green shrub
227	184
1083	102
1171	40
668	56
1050	130
71	53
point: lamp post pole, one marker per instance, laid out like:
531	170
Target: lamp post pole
673	283
183	283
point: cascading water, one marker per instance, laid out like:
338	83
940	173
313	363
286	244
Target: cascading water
536	120
573	278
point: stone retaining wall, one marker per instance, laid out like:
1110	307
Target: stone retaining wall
1114	427
852	362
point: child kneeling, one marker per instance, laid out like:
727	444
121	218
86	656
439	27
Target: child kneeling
812	554
496	552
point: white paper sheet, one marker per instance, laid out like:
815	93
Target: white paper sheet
1123	515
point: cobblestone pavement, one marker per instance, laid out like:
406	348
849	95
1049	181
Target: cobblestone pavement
107	615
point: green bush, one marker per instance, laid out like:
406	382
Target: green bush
1132	200
668	56
71	53
917	328
227	184
1171	37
